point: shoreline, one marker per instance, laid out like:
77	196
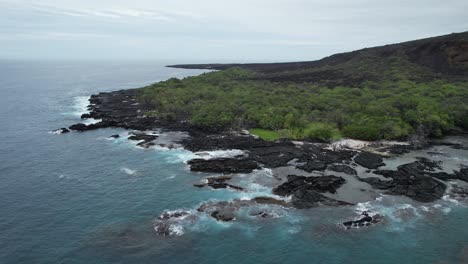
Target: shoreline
306	174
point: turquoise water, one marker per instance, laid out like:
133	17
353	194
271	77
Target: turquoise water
82	198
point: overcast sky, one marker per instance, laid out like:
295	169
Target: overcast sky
217	30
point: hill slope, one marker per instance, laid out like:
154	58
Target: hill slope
420	60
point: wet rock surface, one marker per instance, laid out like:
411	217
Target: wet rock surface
220	182
364	220
414	180
319	184
342	168
306	191
223	165
62	130
369	160
305	198
142	136
166	223
227	210
313	166
147	140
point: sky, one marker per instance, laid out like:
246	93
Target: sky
217	30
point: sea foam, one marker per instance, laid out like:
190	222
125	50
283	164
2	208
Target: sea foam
128	171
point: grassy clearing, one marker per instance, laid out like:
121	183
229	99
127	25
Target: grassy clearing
268	135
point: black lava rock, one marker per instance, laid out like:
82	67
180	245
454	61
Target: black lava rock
223	165
342	168
369	160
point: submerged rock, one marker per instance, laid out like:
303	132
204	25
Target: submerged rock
146	144
225	216
261	214
169	222
223	165
62	130
79	127
342	168
270	200
365	219
147	140
458	192
305	198
142	136
172	214
369	160
226	210
220	182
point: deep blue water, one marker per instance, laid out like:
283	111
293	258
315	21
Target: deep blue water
82	198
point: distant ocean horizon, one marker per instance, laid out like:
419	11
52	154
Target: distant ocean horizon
87	198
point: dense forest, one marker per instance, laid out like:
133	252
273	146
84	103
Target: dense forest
390	110
372	96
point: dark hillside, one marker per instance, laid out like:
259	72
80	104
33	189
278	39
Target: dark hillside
444	57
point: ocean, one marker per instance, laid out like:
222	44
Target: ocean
86	198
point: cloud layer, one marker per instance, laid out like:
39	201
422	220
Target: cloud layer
242	30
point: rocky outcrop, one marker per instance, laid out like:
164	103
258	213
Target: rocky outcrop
79	127
167	224
364	220
313	165
369	160
342	168
147	140
226	210
142	136
419	181
270	200
306	191
223	165
62	130
83	127
320	184
305	198
220	182
224	215
414	180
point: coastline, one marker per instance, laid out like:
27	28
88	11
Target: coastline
305	174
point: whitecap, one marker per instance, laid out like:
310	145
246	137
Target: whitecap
446	210
56	132
80	107
425	208
128	171
170	177
230	153
176	230
294	229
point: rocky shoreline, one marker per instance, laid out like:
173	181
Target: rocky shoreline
309	186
